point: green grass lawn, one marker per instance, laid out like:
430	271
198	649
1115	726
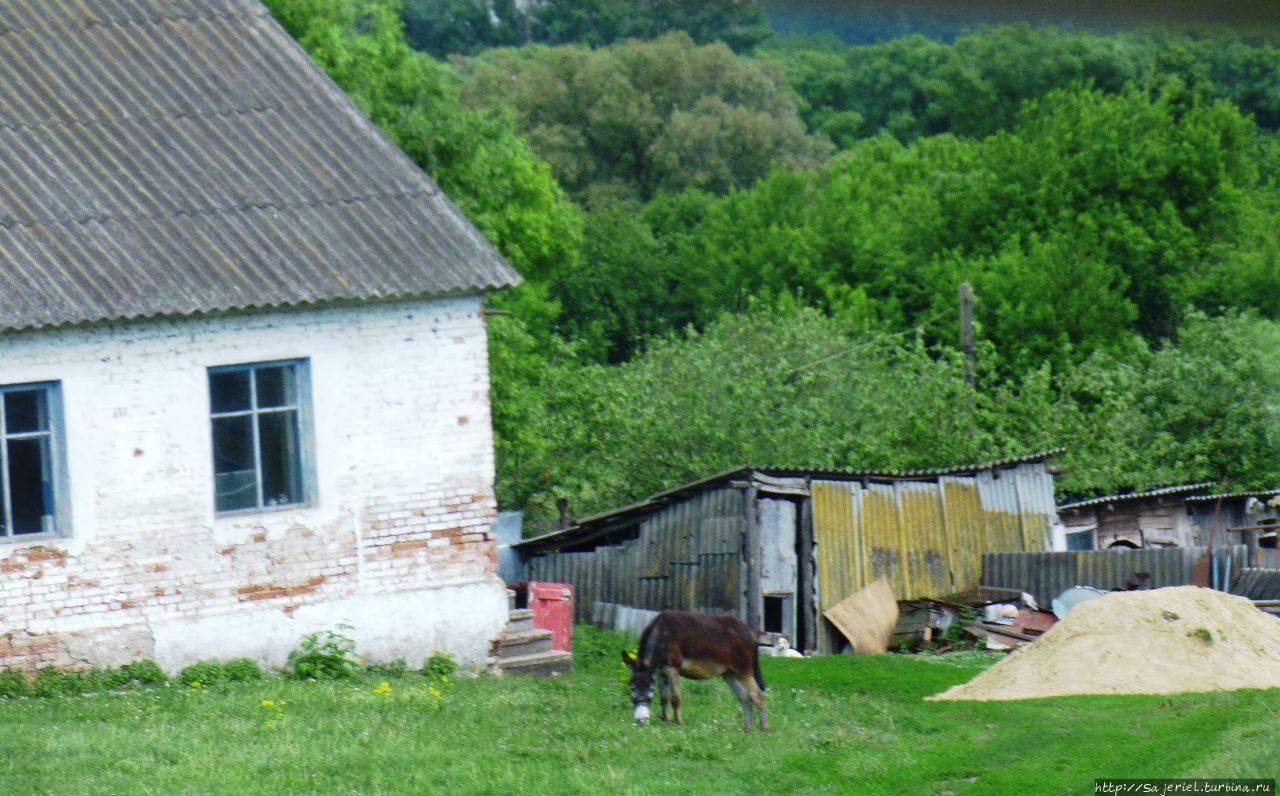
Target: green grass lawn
838	725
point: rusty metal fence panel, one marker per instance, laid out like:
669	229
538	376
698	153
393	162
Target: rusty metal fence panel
1046	575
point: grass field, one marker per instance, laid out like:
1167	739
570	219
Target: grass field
838	725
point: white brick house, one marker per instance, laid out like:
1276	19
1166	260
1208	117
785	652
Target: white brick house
243	362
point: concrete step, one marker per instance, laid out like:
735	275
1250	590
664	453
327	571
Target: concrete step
528	642
543	664
520	620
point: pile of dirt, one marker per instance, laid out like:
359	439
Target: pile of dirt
1160	641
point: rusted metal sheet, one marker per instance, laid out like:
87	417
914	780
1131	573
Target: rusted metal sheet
1046	575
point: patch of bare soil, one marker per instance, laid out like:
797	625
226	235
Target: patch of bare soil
1161	641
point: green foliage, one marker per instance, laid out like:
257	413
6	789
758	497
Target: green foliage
323	655
632	119
396	668
212	672
596	649
204	674
243	670
439	664
448	27
914	86
143	672
14	683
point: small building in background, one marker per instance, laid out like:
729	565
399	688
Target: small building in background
1174	516
777	546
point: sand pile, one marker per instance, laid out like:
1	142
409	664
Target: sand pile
1141	642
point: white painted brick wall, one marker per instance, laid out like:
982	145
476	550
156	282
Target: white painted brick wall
404	508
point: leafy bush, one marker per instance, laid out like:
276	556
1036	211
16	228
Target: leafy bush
439	664
203	673
243	670
324	655
394	668
14	683
144	672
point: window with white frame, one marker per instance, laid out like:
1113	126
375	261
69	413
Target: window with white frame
31	469
260	415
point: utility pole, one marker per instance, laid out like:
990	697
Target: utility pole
966	331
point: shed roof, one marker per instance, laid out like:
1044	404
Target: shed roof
1161	491
169	157
588	527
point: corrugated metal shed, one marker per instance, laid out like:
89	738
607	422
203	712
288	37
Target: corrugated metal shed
168	158
718	544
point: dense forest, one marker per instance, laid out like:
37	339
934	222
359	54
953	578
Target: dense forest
743	247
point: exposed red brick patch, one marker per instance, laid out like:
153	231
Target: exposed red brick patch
9	565
407	548
261	536
158	567
269	591
463	420
226	551
289	609
158	591
74	582
127	604
42	553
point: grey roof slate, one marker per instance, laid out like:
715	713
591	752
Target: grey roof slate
168	157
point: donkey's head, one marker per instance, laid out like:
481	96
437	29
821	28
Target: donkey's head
641	686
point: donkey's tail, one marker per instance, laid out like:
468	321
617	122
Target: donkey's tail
755	666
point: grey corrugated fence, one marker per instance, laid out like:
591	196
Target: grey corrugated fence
1046	575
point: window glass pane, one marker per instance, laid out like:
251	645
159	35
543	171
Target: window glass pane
24	411
235	479
281	462
229	391
277	386
29	485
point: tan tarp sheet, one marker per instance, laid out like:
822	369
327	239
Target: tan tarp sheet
867	617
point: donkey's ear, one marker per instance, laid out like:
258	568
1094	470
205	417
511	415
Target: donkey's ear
629	660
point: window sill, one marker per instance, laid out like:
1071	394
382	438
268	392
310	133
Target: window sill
253	512
32	538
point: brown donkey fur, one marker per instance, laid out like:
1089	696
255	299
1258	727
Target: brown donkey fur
696	646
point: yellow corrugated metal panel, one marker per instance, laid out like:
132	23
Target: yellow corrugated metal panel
835	527
882	536
1004	531
924	539
965	529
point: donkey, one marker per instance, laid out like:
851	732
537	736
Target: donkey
697	646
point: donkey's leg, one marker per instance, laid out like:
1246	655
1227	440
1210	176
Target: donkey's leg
757	697
673	678
739	689
664	688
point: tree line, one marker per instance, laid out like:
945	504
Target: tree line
748	252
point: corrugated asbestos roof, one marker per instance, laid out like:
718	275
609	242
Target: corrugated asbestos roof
1257	493
1168	490
583	526
168	157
